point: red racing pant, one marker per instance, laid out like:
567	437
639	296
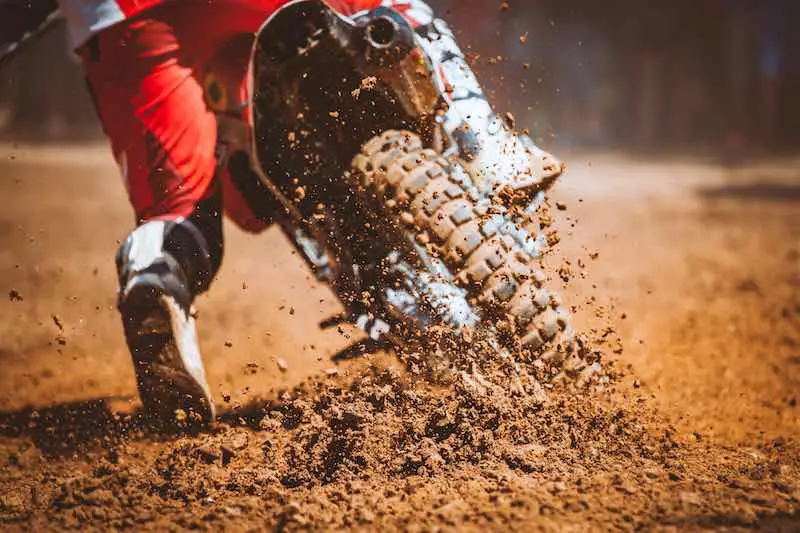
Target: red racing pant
146	75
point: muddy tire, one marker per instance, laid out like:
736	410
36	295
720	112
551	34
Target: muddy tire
490	257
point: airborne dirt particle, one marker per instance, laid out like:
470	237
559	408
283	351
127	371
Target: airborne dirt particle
565	271
14	295
367	84
282	365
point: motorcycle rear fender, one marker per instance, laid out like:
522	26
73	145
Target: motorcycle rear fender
321	85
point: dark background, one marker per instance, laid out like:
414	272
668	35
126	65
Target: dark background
641	75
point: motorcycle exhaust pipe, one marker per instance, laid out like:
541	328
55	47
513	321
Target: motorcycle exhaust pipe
381	33
389	46
388	39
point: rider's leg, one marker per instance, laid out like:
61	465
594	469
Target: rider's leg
151	104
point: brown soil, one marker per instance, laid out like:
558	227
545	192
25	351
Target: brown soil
688	272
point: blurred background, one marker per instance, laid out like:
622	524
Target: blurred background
708	76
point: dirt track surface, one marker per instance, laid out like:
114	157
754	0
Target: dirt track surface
691	270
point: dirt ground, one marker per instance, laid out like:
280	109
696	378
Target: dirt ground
690	271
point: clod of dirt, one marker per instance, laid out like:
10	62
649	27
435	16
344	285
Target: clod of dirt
565	271
207	453
228	453
282	365
238	441
11	503
367	84
748	285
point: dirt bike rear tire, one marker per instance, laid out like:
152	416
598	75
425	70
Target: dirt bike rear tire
433	198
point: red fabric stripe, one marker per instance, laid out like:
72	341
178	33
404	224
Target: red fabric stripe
133	7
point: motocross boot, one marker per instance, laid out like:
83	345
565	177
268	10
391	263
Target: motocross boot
162	265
